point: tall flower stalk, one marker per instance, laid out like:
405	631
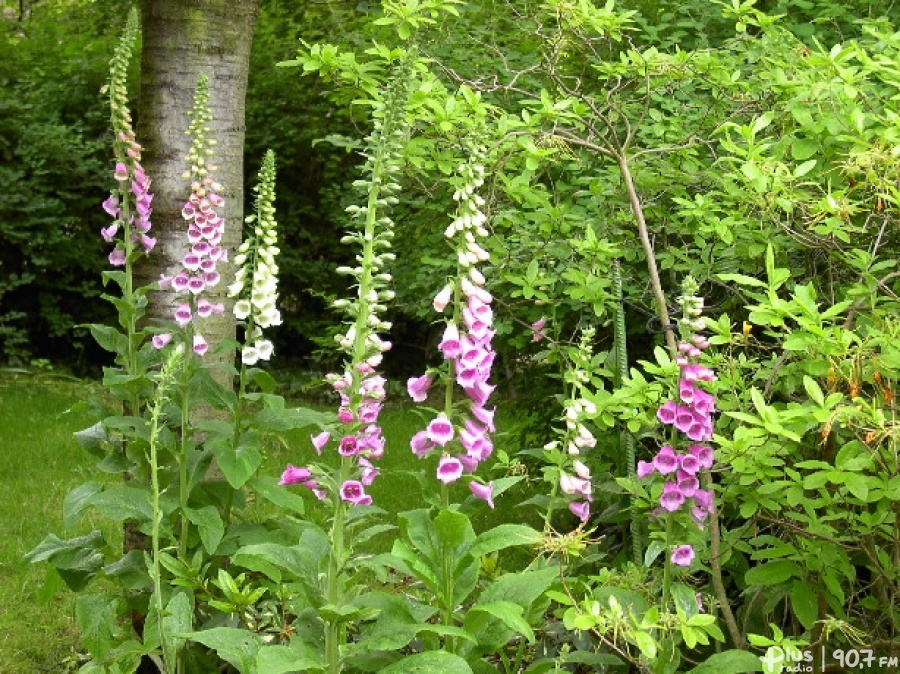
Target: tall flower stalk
256	290
129	202
205	228
255	284
198	272
164	384
360	388
571	475
461	432
689	414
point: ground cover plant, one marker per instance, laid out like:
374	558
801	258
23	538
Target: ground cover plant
681	260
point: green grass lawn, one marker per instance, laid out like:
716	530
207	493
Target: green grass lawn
40	461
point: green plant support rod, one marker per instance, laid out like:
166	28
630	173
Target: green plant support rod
626	439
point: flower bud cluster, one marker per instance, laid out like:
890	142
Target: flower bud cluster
574	475
129	203
360	388
465	344
256	281
205	226
690	414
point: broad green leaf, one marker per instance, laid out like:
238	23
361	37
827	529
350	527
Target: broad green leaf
94	439
805	603
502	537
685	599
430	662
814	390
109	338
645	643
654	549
857	484
742	279
209	524
77	501
176	621
805	168
238	465
239	648
272	558
416	525
298	657
123	502
453	529
509	614
98	621
277	417
762	122
729	662
130	570
802	149
263	380
269	489
79	554
602	660
772	573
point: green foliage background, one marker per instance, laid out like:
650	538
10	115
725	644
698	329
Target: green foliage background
54	166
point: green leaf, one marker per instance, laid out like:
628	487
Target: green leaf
209	524
177	620
802	149
560	598
509	614
268	558
238	465
298	657
814	391
76	559
263	380
805	168
654	549
109	338
646	644
98	620
729	662
123	502
268	487
742	279
772	573
685	599
238	648
276	417
805	603
130	570
77	501
93	439
857	484
502	537
453	529
430	662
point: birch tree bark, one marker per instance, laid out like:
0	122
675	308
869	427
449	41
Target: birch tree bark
183	39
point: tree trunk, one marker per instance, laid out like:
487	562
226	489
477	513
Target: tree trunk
183	39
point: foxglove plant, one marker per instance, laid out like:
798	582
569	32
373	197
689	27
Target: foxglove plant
204	231
256	281
461	433
360	388
571	475
129	203
690	415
